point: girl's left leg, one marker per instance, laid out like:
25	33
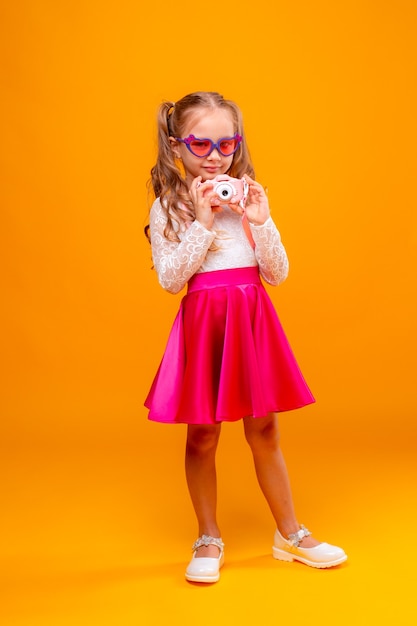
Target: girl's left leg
262	435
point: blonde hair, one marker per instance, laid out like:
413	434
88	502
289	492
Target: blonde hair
166	180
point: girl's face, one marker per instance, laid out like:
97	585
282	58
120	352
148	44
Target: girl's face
205	124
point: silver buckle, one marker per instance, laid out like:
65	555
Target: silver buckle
207	540
296	538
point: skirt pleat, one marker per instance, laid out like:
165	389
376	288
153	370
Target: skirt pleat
227	356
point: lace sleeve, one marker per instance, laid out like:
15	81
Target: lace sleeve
270	252
175	262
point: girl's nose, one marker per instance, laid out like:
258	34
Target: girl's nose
214	155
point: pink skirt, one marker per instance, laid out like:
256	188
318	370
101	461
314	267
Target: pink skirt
227	356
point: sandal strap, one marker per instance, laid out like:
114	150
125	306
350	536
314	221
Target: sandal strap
207	540
295	538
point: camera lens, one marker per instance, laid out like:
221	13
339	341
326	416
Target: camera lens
225	191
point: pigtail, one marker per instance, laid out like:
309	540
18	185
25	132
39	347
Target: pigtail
165	170
166	178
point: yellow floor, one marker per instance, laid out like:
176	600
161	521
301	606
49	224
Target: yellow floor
92	534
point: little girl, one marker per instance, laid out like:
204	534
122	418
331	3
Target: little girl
227	358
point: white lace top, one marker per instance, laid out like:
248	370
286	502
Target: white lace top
175	262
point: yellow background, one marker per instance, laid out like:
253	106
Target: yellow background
96	523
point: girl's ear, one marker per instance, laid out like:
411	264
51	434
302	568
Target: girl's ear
175	147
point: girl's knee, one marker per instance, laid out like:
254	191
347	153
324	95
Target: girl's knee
262	432
202	438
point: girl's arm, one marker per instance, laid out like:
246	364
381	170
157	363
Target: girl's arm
175	262
270	252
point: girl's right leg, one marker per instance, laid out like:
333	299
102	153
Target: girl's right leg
200	468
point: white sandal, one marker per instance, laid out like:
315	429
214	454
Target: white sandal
323	555
205	569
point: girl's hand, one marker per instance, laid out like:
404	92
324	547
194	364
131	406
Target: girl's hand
201	195
257	205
